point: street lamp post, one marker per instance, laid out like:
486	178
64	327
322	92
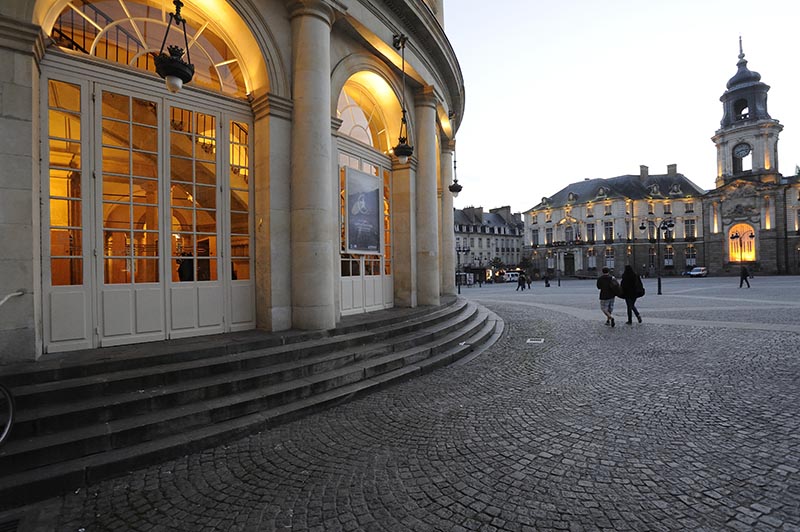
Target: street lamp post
736	236
459	251
666	226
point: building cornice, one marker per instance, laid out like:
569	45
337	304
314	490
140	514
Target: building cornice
21	37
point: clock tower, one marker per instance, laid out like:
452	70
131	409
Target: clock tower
747	141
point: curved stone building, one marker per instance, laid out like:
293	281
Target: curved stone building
264	193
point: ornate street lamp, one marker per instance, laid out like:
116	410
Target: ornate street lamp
740	238
666	226
172	68
403	151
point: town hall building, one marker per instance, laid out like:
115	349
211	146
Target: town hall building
664	223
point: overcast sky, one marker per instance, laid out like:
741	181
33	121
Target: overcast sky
562	90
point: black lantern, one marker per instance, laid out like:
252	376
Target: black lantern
172	67
403	151
455	188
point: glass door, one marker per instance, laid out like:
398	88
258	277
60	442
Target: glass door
196	293
131	303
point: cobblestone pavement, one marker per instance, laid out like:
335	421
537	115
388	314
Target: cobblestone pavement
688	421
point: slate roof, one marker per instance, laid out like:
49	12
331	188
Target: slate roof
654	187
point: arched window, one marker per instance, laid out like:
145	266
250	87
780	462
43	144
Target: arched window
741	243
361	116
130	32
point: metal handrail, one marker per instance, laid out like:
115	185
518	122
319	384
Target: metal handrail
12	294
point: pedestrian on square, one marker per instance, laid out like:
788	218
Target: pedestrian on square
608	291
632	289
743	274
528	281
521	282
546	279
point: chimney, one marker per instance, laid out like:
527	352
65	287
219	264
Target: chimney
672	169
643	173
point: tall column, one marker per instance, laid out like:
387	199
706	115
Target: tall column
428	280
312	234
448	240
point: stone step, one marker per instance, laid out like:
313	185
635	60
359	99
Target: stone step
197	412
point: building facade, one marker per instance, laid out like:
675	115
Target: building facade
666	224
612	222
753	214
486	241
263	194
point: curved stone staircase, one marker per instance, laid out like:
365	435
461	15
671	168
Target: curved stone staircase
88	416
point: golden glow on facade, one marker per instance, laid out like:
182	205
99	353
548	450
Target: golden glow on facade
741	243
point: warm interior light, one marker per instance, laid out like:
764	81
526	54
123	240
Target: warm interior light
174	83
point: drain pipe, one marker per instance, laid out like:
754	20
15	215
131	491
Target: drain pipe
19	292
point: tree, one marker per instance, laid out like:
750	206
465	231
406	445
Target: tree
496	263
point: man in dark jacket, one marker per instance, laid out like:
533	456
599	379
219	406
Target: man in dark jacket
607	294
743	275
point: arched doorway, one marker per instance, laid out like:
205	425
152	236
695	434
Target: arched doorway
741	243
148	227
365	195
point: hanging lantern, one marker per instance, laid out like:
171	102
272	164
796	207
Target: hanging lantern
171	67
403	150
455	188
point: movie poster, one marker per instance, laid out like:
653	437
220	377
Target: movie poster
363	213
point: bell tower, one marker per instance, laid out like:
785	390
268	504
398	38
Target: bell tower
747	141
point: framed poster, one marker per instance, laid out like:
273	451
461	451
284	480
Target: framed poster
363	213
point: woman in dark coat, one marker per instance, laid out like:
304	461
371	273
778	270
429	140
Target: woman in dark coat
632	289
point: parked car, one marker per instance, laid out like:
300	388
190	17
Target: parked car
699	271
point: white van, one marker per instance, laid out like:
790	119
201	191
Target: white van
511	277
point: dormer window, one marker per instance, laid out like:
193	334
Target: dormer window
601	192
675	190
654	190
572	196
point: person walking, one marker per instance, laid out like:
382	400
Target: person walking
608	291
632	289
520	282
528	281
743	275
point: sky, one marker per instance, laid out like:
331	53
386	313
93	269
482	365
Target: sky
558	91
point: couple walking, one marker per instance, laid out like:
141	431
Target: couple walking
630	290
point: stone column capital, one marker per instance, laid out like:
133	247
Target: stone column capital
322	9
426	97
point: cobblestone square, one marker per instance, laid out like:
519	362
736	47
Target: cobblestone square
688	421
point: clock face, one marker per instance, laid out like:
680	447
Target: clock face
741	150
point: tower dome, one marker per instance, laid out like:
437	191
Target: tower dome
744	76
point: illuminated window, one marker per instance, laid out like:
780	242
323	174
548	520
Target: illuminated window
607	209
361	117
66	207
130	32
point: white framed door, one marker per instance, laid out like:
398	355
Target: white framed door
146	218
